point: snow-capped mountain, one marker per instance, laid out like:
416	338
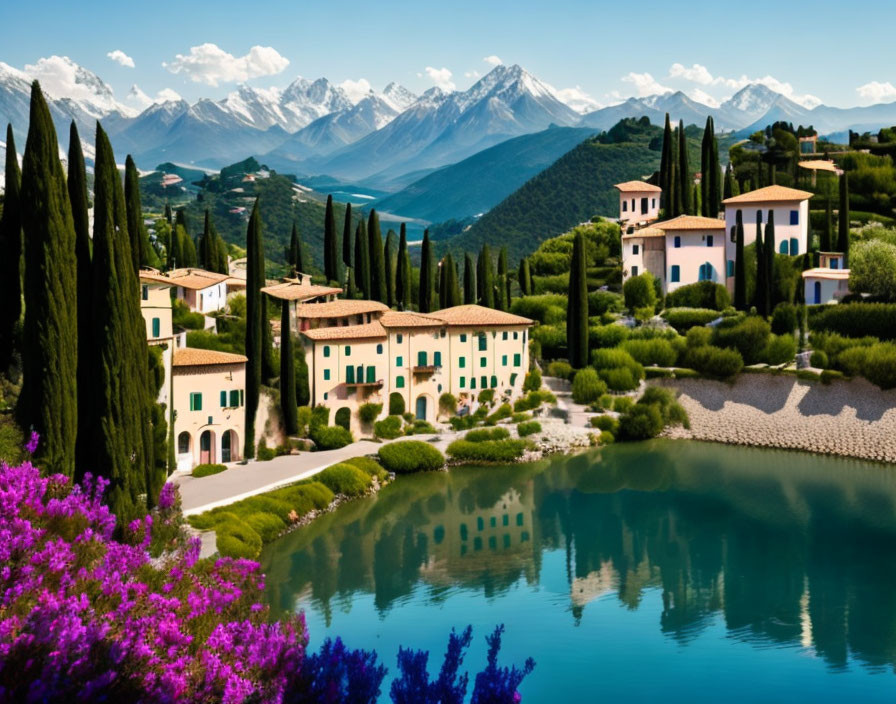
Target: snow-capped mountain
398	97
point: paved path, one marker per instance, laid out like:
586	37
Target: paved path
576	414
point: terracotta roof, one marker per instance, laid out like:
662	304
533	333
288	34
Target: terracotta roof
195	279
394	319
293	291
769	194
153	276
369	331
472	315
819	273
645	232
235	282
690	222
338	309
195	357
637	187
819	165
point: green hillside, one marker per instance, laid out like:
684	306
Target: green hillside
478	183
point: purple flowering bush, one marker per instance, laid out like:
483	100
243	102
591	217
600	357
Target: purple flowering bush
88	614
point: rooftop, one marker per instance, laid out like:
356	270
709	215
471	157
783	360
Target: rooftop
394	319
338	309
195	357
690	222
820	165
294	291
473	315
645	232
637	187
154	276
825	273
769	194
369	331
195	279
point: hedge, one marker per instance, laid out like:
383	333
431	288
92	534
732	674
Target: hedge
447	404
551	339
683	319
622	404
548	309
344	479
876	363
749	336
206	470
331	437
561	370
618	369
780	349
369	412
785	319
528	428
239	541
641	422
484	434
533	400
819	359
388	428
587	386
600	302
503	411
410	456
396	404
488	451
486	396
419	427
703	294
368	465
649	352
607	423
607	335
343	418
532	381
269	526
714	361
855	319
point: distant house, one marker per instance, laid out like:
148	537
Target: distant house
202	291
155	306
639	202
828	282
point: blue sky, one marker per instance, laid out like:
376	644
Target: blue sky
601	50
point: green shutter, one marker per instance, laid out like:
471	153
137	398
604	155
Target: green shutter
463	337
156	327
437	359
483	341
326	374
421	359
326	350
234	398
483	382
371	375
503	360
462	362
399	382
399	362
517	360
349	375
223	399
494	382
463	382
348	351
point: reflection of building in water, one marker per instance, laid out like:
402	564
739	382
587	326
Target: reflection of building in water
468	540
595	584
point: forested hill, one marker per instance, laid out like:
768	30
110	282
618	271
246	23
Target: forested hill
576	187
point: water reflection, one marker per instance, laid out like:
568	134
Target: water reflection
789	549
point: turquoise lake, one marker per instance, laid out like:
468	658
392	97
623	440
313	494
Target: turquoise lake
682	570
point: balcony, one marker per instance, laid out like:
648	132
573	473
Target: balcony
425	369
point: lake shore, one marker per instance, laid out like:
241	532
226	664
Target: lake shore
844	418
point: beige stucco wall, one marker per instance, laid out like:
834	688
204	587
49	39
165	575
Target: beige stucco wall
632	203
155	303
208	380
783	228
693	252
206	300
829	289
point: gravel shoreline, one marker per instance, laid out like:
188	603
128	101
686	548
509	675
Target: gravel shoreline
845	418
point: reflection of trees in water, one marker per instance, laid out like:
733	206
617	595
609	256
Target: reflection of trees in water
785	549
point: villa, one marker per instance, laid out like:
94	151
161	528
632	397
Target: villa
828	282
639	202
202	291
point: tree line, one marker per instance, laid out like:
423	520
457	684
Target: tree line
681	196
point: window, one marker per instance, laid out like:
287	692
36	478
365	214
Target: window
513	379
517	359
349	375
677	242
234	398
442	332
421	359
794	246
183	443
463	337
156	327
733	234
706	272
399	382
834	263
783	248
145	292
461	362
326	350
516	335
326	395
463	382
348	351
195	401
625	206
483	382
472	382
653	202
675	274
730	267
503	360
482	361
709	240
643	206
494	382
223	399
504	335
633	205
437	358
483	342
399	338
794	217
371	375
399	361
635	249
326	374
379	348
634	271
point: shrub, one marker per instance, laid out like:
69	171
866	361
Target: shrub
698	337
648	352
781	349
551	339
558	283
487	451
657	373
343	418
320	415
206	470
829	375
641	422
409	456
620	379
520	417
486	396
408	417
703	294
303	498
331	437
639	291
618	369
182	317
268	525
818	359
748	336
561	370
528	428
264	453
447	404
873	269
396	404
548	309
462	422
504	411
671	411
368	465
483	434
388	428
238	540
622	404
532	381
606	438
303	420
344	479
714	362
587	386
605	423
855	319
419	427
607	335
785	319
369	412
683	319
876	363
606	401
601	302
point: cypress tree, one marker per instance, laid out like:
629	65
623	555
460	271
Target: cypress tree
288	403
377	259
121	409
254	321
452	296
187	249
843	218
469	279
296	256
730	183
827	235
77	194
424	302
331	245
666	181
208	249
715	173
443	285
347	237
705	160
221	248
684	182
697	198
577	318
525	276
403	271
761	287
485	278
350	292
437	271
168	213
768	247
48	402
740	271
504	279
362	260
390	258
10	254
141	252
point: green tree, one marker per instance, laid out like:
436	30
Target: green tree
362	260
254	322
768	249
403	271
10	254
424	293
469	279
667	181
640	292
350	291
827	234
873	269
577	313
715	173
141	251
525	277
121	409
453	296
347	237
288	403
377	258
705	157
485	278
187	249
843	218
48	401
502	295
684	182
390	260
331	244
740	269
759	297
295	259
208	245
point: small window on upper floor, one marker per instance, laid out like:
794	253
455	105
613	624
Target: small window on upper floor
146	293
516	335
794	217
379	348
625	206
677	242
399	338
463	337
348	351
635	249
634	271
653	202
483	341
326	350
709	240
504	335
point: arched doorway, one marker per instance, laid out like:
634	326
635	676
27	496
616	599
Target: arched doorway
206	447
229	446
183	443
422	403
818	291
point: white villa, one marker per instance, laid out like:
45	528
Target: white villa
639	202
202	291
828	282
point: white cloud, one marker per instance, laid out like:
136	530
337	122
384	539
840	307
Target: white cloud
119	57
356	90
701	96
472	74
61	77
877	92
645	84
141	100
209	64
492	60
577	99
440	77
696	73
